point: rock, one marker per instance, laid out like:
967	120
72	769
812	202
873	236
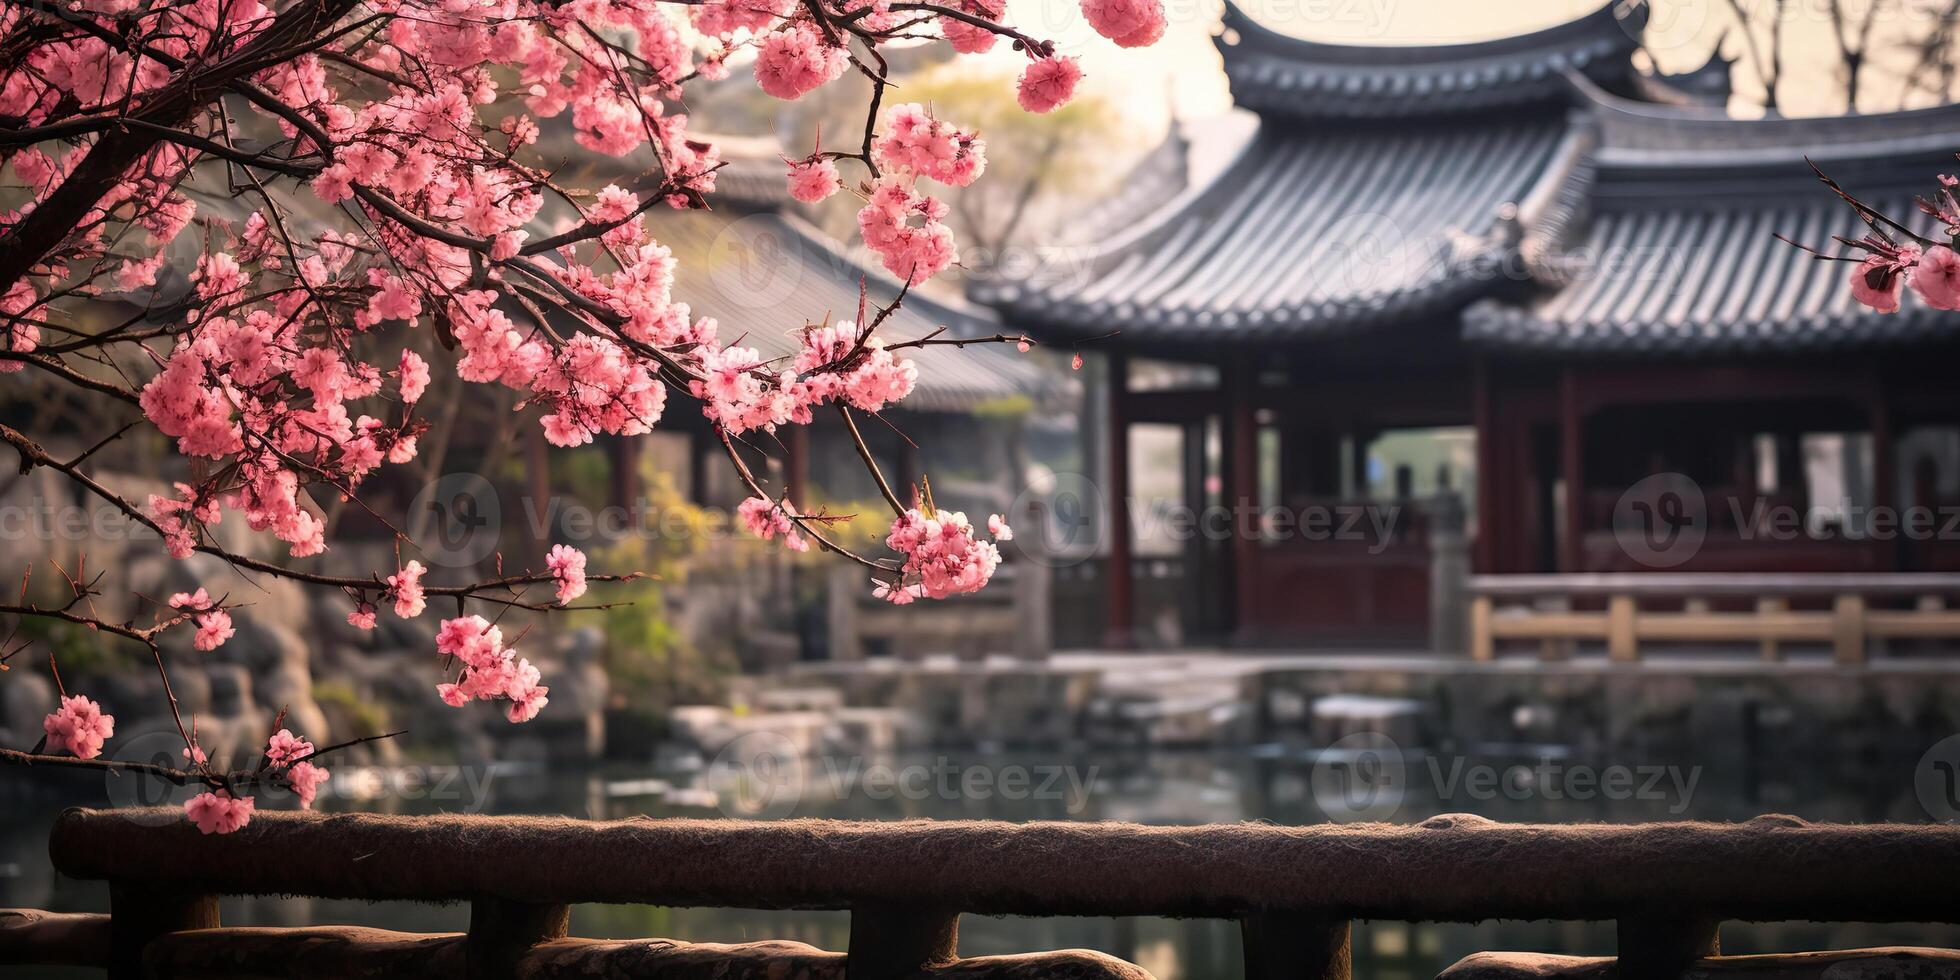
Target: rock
25	699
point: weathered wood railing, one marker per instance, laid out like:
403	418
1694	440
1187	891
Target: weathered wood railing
1293	889
1545	608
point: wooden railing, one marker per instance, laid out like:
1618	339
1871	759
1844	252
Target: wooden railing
1293	889
1854	610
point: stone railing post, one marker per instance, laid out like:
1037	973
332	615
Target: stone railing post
1449	574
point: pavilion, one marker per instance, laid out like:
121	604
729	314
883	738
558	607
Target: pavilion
1525	248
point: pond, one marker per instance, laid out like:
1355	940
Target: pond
1274	784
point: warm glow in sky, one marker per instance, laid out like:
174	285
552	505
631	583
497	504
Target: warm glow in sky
1185	66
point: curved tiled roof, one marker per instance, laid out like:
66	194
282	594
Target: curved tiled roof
1306	234
763	275
1272	72
1678	253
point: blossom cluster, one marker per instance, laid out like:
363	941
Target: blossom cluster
1933	273
78	727
489	669
942	556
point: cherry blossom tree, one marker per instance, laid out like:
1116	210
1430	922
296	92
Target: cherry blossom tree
420	127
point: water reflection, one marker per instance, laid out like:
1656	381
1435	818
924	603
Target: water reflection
1280	786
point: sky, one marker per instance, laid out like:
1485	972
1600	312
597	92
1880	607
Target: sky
1183	71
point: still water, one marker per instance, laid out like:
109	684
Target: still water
1275	785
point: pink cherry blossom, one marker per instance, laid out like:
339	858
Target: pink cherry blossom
906	229
769	520
306	779
406	588
1130	23
213	629
997	526
970	38
813	180
414	374
941	555
916	143
796	60
284	747
1937	278
218	812
489	669
567	566
1048	83
79	727
362	617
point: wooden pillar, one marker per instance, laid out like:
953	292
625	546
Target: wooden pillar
502	932
1483	646
539	512
1622	630
623	453
893	941
1572	472
1279	946
1848	630
138	915
1661	949
796	465
697	467
1242	491
1482	556
1117	629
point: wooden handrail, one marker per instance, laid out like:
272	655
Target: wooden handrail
1848	627
1294	891
1456	868
1715	584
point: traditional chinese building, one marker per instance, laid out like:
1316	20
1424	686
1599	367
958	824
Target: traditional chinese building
1513	276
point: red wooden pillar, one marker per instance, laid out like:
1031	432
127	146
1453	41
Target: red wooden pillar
1572	465
1482	555
1117	630
1242	490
